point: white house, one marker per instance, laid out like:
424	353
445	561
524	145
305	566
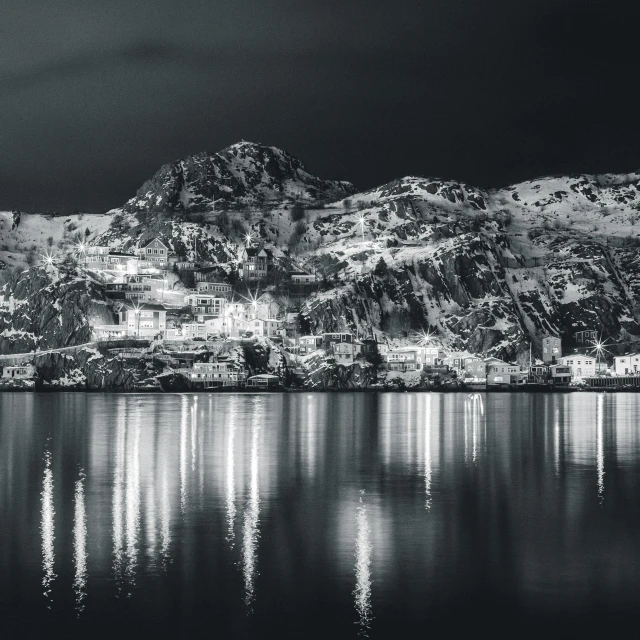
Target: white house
121	262
627	365
147	320
581	366
222	373
205	306
19	371
156	252
302	278
188	331
266	328
214	288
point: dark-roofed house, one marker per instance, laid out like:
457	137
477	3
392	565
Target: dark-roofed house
255	263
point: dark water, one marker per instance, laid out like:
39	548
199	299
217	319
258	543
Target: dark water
319	516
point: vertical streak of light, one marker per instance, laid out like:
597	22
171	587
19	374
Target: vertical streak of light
151	526
118	497
387	429
556	439
600	446
363	550
231	472
47	529
165	532
194	428
427	455
311	425
409	412
474	425
80	544
132	499
183	454
466	439
251	533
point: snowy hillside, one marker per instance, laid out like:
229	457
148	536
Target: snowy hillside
26	236
483	270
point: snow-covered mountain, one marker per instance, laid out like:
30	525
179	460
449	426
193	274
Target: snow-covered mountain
242	174
483	270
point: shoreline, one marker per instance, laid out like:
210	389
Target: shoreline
226	390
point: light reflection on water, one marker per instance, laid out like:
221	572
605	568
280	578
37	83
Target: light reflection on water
461	493
47	527
250	529
362	591
80	544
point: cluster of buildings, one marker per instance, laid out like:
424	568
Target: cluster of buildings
139	286
343	346
554	370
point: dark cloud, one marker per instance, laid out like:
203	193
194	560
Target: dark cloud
95	96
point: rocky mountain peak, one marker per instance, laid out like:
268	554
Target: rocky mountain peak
244	173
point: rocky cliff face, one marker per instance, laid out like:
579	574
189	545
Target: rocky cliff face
242	174
48	310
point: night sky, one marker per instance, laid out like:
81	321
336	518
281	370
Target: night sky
95	96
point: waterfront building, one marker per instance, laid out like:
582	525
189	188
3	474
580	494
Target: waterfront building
21	371
551	349
559	374
627	365
223	372
582	366
264	381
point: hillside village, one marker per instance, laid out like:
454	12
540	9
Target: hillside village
242	270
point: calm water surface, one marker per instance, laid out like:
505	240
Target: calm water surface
318	515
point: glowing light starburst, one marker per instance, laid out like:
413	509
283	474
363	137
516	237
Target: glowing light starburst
81	248
252	298
424	338
248	238
48	258
599	346
361	220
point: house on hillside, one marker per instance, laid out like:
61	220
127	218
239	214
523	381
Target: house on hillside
220	289
255	263
585	338
206	306
329	339
155	251
121	262
309	344
147	320
302	278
